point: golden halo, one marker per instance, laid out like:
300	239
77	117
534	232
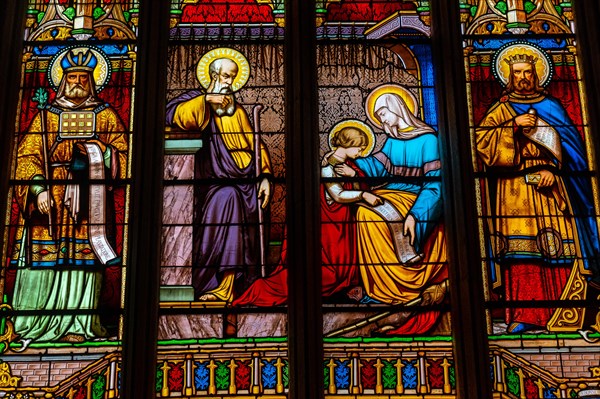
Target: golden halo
101	73
543	65
355	123
240	80
409	98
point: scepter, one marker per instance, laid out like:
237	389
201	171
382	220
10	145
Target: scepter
257	165
41	97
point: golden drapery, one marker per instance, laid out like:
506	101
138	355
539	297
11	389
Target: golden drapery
384	278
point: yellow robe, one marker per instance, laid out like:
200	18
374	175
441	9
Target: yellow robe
384	277
532	230
236	130
529	222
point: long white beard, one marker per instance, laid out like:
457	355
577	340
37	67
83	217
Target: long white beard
76	92
224	89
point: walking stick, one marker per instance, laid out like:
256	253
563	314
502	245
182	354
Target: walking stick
407	306
41	96
257	166
372	319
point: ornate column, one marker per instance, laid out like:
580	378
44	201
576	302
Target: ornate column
212	387
423	385
164	392
83	23
188	368
255	387
447	385
355	387
378	384
516	17
331	388
279	388
232	366
399	384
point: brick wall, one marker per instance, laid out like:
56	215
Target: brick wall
568	365
44	374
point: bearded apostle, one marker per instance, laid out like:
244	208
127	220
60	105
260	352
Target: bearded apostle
226	244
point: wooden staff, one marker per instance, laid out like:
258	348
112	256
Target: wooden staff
257	163
46	169
41	97
371	319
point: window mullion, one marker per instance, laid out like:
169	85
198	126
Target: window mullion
141	307
12	49
466	288
305	315
587	15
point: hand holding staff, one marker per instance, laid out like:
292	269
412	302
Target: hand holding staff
44	200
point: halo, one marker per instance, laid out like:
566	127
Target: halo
543	66
409	98
101	72
203	74
355	123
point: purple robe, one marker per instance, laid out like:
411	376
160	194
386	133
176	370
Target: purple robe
225	229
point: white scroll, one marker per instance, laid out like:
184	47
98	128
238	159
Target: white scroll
546	136
97	218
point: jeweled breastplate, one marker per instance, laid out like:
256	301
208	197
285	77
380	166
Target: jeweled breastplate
77	125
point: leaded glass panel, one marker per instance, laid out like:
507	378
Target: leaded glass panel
536	186
224	202
65	239
384	264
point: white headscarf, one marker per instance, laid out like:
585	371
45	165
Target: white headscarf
396	105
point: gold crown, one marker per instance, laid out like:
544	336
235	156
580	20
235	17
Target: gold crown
520	59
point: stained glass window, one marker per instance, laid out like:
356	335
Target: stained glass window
384	262
231	250
65	246
537	191
224	202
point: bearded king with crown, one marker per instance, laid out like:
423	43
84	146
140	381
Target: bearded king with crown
541	221
73	152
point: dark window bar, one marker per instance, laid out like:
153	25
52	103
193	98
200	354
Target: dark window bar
587	14
466	284
141	306
304	252
11	29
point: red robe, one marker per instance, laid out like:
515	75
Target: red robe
338	256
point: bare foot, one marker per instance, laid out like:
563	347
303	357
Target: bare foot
208	298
